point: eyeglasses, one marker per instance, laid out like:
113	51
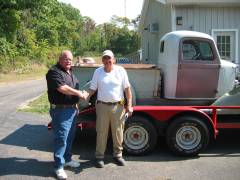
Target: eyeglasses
67	59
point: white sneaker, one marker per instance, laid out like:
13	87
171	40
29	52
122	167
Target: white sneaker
73	164
61	173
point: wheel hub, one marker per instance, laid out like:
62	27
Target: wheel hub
188	137
136	137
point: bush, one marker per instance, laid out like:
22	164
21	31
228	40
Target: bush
21	64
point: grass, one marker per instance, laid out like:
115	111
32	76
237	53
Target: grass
35	72
39	105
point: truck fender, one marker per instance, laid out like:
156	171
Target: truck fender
200	115
168	114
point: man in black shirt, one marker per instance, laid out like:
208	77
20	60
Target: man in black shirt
63	95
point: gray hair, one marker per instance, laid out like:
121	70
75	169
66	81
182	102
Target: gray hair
62	54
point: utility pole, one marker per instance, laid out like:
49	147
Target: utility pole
125	9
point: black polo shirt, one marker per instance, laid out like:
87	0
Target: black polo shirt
57	77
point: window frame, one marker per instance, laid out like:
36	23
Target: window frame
235	45
209	41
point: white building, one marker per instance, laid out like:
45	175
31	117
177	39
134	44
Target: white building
218	18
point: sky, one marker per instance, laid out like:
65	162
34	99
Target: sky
102	10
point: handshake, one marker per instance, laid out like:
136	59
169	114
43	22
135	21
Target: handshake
84	94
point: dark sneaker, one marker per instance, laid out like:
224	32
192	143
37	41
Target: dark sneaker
99	163
119	161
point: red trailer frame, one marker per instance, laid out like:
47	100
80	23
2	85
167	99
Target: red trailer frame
182	125
170	112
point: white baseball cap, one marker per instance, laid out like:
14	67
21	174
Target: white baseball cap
108	53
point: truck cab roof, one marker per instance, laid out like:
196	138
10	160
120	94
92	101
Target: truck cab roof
178	35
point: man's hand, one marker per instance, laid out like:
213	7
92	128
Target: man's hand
82	94
129	110
85	95
65	89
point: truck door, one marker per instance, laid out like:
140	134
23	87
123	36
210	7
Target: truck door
198	69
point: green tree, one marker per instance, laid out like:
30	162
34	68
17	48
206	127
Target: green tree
9	22
125	41
33	31
120	39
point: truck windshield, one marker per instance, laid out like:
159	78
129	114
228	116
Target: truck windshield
197	50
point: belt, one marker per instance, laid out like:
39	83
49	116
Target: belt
53	106
108	103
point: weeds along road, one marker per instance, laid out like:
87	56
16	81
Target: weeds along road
26	149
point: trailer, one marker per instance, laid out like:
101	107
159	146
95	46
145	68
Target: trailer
187	129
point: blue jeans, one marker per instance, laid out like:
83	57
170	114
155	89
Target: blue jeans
64	126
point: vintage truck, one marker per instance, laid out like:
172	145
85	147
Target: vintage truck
173	98
189	72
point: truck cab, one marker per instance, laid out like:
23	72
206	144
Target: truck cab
192	68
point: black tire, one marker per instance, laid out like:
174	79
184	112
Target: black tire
187	136
140	136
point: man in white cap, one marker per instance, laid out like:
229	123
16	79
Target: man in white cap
110	82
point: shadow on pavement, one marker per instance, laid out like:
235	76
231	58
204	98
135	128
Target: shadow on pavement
85	144
33	137
37	137
226	144
24	166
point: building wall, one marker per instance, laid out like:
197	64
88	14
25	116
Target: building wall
160	14
206	19
202	1
200	16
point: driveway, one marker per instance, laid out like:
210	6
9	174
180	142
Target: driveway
26	149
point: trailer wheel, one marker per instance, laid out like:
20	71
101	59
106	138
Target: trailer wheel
187	136
140	136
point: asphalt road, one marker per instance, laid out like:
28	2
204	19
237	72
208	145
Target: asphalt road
26	149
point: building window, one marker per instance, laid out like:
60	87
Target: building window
224	46
227	43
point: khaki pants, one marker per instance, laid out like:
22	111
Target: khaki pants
109	116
